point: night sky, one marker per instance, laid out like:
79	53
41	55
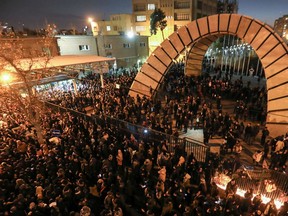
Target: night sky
74	13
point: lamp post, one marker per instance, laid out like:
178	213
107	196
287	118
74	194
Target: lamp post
90	20
95	31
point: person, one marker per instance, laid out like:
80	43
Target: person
270	186
257	157
270	208
256	202
231	140
266	149
265	134
247	201
231	188
238	148
248	134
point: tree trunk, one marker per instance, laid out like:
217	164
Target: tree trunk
39	133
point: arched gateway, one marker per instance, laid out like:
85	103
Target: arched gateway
199	34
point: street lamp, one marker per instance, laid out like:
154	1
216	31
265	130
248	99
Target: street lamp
6	78
93	25
90	19
130	34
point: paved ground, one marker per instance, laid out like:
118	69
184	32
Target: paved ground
228	106
216	142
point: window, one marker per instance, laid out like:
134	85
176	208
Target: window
151	6
108	28
115	28
141	18
84	47
126	45
181	5
108	46
142	44
140	28
139	7
116	18
199	5
181	16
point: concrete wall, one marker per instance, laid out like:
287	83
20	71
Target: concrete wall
70	44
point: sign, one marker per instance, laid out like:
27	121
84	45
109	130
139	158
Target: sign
56	133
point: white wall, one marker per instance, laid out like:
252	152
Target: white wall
69	44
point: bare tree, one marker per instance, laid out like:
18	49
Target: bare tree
19	61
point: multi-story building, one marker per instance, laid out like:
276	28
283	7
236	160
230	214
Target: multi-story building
281	26
127	50
178	13
227	6
117	24
77	45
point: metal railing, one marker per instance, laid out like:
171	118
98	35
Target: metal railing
190	146
258	180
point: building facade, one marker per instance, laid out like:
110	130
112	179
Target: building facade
178	13
281	26
118	24
128	51
77	45
227	6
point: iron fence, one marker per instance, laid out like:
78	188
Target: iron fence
190	146
262	180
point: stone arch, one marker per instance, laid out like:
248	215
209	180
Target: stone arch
199	34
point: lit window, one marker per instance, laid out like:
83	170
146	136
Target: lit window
140	28
84	47
181	16
108	28
126	45
151	6
141	18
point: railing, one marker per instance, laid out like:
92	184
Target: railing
258	180
198	149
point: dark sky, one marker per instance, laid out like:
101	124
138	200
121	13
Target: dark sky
69	13
64	13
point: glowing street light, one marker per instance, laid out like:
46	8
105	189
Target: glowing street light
90	20
130	34
6	78
94	26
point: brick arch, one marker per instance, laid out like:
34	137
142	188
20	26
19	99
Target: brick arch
199	34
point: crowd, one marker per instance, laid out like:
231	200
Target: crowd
183	102
95	170
92	169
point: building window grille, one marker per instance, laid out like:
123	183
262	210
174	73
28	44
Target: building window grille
139	7
108	46
141	18
181	16
182	5
126	45
84	47
140	28
151	6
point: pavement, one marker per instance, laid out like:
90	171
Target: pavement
228	106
